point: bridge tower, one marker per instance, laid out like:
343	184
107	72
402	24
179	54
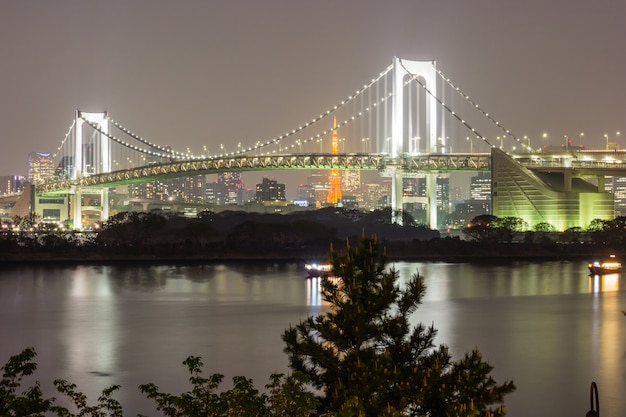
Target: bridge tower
400	143
92	155
334	194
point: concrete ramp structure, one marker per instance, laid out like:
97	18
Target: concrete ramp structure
559	197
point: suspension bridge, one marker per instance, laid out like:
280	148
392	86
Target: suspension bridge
409	120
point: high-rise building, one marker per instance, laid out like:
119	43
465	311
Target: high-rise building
11	184
351	182
215	193
306	192
618	188
270	190
456	195
188	189
318	180
153	190
480	186
64	169
414	187
233	186
184	189
40	166
443	200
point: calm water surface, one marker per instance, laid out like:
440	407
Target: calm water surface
548	326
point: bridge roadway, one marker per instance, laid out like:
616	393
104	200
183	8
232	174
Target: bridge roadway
577	163
354	161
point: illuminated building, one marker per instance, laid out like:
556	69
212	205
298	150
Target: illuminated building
318	180
351	182
270	190
40	166
233	186
480	195
334	179
617	186
443	200
11	184
306	192
188	189
215	193
480	186
184	189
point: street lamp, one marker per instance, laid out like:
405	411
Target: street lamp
528	143
607	140
580	146
366	142
471	142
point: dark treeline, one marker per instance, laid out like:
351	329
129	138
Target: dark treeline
300	236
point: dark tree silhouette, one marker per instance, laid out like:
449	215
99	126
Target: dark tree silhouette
364	355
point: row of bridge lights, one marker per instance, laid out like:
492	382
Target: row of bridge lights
581	135
416	143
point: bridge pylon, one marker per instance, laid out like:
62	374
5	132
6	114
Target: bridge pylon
400	143
91	156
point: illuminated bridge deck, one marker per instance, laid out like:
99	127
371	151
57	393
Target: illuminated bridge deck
378	162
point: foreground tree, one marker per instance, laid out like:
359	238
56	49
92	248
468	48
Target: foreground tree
31	401
287	396
366	359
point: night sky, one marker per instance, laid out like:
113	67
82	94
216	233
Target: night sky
199	73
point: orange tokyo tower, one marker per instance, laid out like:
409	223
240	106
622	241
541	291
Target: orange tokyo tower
334	193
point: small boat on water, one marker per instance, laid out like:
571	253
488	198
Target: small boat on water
317	270
607	266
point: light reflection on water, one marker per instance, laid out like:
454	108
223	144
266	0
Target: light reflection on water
548	326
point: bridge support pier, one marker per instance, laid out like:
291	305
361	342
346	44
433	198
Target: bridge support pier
104	202
396	195
84	201
78	208
431	195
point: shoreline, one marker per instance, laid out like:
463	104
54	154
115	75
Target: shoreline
98	259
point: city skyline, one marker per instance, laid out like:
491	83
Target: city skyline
197	75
